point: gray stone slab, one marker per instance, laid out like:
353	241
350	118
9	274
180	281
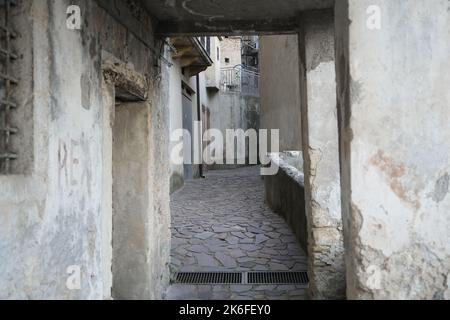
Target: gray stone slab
226	260
205	260
204	235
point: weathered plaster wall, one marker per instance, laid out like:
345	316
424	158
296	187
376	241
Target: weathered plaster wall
231	110
208	89
176	120
321	154
206	100
213	72
52	218
198	90
159	222
393	109
176	115
22	199
280	89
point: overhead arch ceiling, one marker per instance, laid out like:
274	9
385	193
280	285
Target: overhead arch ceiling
212	17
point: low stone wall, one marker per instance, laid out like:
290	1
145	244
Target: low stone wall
285	192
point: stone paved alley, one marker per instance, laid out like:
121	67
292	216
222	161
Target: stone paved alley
221	224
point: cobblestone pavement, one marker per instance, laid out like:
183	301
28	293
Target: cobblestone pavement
221	224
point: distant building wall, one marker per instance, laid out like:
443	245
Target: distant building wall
208	90
232	110
231	54
280	89
213	72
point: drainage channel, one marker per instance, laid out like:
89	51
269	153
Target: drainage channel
242	278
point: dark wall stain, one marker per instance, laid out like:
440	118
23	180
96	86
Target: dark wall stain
85	91
441	189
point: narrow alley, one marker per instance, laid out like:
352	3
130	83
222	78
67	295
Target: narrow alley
221	224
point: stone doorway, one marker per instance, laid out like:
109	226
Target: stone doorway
126	181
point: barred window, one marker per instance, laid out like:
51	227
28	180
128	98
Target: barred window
16	89
8	80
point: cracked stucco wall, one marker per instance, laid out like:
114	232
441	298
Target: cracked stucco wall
321	155
52	218
393	102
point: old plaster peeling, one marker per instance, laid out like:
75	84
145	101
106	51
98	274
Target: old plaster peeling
123	75
199	14
441	189
356	224
316	156
367	262
394	173
323	55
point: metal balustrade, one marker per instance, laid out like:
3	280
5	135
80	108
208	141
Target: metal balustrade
240	79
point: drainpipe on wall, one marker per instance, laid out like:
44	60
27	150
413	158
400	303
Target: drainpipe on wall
199	119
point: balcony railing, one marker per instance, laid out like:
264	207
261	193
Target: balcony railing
240	79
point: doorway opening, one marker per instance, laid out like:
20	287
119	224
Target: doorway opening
229	240
130	201
126	181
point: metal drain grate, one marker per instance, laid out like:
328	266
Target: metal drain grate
209	278
300	278
253	278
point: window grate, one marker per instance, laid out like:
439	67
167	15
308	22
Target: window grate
242	278
7	82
